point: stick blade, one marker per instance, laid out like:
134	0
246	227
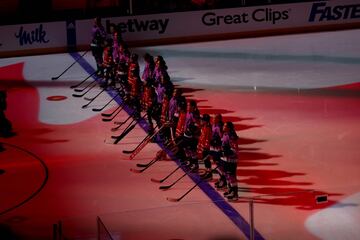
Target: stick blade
165	187
89	99
96	109
170	199
156	180
54	78
77	95
119	124
141	165
127	151
78	90
119	138
136	170
106	119
106	114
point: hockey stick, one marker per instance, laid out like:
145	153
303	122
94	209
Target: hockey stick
154	160
83	94
110	114
142	165
102	108
142	141
92	99
127	129
173	150
146	141
166	187
143	169
166	177
125	132
80	83
120	124
187	192
84	88
55	78
112	118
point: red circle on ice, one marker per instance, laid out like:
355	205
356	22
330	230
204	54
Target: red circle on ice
56	98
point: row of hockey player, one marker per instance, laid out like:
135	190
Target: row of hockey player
196	136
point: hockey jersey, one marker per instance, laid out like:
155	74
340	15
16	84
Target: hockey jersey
204	139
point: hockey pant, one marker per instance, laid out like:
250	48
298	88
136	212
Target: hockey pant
97	52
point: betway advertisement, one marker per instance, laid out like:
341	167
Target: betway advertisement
224	21
32	36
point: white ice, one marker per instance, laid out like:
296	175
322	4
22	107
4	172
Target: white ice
299	61
338	222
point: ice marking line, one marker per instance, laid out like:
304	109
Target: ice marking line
39	189
214	195
56	98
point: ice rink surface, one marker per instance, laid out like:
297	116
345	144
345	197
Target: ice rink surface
294	101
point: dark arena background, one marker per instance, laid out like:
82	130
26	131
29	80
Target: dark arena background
79	159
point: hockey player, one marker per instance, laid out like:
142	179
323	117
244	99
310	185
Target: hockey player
149	102
229	159
134	64
178	133
98	35
167	85
123	53
187	135
122	70
193	114
160	69
149	68
164	117
160	93
191	134
116	39
180	126
203	147
121	76
108	64
166	133
189	143
134	93
177	102
164	88
215	150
